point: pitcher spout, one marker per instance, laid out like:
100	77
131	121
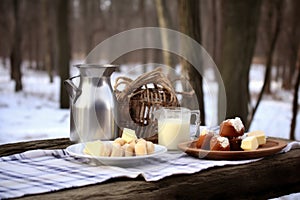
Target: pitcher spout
73	91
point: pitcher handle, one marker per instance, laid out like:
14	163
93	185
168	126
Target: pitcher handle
73	91
197	123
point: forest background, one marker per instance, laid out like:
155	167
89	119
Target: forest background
48	35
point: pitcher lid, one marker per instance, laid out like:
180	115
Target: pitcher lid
94	65
96	70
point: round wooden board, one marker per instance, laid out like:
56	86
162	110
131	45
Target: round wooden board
271	147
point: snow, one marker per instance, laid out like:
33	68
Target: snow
274	113
34	113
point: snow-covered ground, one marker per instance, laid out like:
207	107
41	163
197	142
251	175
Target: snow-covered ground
34	113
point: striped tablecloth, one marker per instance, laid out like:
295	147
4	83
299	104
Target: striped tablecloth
40	171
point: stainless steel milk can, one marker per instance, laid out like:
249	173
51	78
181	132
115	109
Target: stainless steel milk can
93	104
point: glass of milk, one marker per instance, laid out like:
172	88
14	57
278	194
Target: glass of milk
174	125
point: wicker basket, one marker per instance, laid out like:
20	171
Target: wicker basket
140	97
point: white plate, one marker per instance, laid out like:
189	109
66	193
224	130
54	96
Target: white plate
76	150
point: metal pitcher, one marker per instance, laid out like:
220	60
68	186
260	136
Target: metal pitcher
92	104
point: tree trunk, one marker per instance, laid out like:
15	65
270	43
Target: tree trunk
285	76
267	80
189	20
295	103
239	26
215	29
164	21
295	60
15	56
89	16
143	12
63	49
48	39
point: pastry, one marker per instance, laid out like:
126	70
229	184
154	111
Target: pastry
232	128
219	143
235	143
201	138
249	143
203	141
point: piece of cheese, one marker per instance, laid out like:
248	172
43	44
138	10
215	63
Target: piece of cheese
260	136
117	151
105	149
140	148
93	148
249	143
128	135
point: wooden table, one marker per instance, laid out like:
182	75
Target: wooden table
271	177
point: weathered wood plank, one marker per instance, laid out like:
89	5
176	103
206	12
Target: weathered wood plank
271	177
13	148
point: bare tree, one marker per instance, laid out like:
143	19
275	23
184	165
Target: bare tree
15	56
294	58
295	102
189	20
210	19
239	26
6	29
273	11
47	32
63	49
164	21
91	26
272	27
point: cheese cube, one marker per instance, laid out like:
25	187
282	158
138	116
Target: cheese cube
260	136
128	135
93	148
249	143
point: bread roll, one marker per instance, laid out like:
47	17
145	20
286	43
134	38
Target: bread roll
201	138
206	141
235	143
232	128
203	141
219	143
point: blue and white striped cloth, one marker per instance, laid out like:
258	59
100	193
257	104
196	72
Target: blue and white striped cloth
40	171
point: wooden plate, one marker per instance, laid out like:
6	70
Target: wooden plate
271	147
